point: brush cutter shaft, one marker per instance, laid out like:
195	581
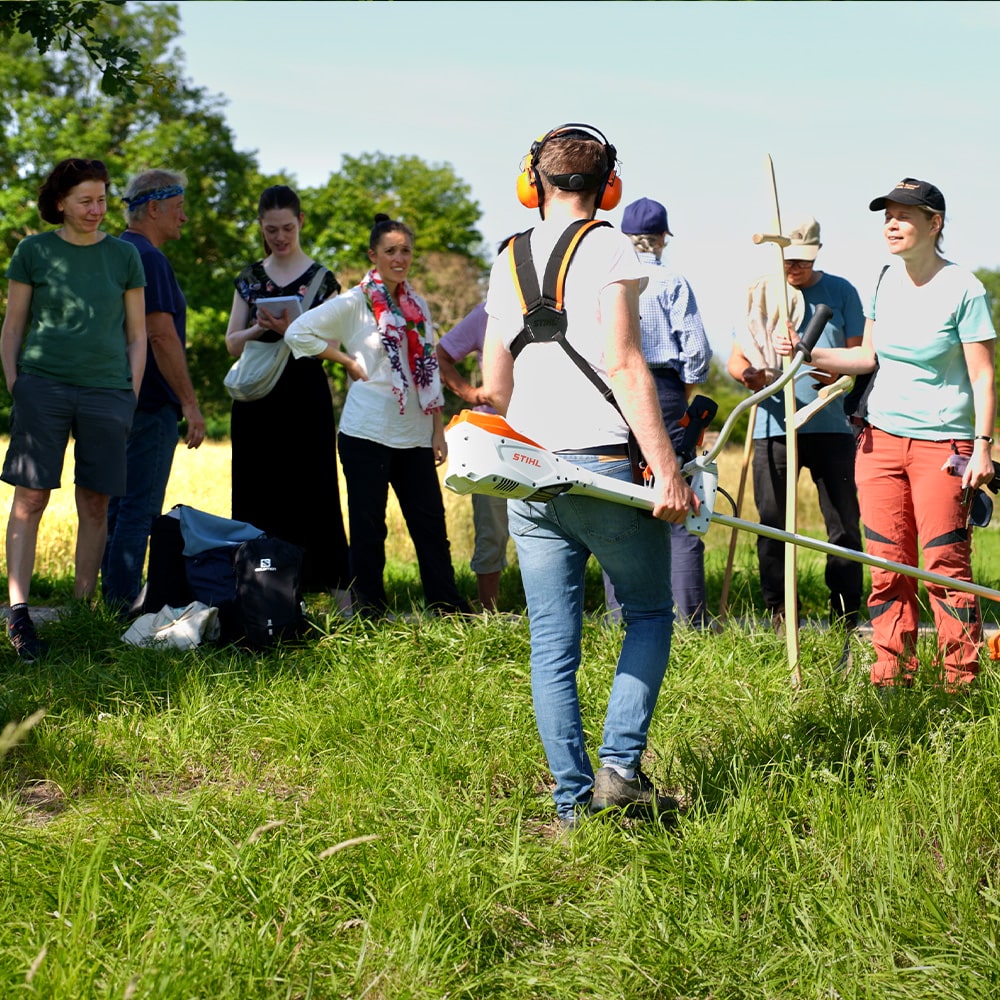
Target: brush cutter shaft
485	459
818	545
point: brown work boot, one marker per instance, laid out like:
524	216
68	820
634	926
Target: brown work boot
637	797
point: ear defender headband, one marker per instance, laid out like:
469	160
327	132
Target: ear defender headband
608	185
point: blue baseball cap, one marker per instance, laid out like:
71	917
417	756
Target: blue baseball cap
645	217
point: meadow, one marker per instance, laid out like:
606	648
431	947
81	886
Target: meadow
367	815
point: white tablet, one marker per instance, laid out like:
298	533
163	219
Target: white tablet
279	303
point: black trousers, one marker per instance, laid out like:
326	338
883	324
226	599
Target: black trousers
370	469
830	460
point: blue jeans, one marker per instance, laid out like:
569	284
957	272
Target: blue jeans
554	541
149	455
687	567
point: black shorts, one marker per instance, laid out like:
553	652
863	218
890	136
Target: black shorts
45	413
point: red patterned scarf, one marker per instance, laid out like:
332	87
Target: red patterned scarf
405	324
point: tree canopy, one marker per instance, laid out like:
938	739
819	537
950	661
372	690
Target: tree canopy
65	23
57	104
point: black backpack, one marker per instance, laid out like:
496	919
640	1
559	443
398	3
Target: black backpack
268	574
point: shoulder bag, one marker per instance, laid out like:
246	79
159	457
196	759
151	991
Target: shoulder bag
257	370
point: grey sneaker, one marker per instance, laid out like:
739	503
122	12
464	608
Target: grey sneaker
25	640
570	824
638	796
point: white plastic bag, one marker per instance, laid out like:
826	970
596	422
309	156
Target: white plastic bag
175	628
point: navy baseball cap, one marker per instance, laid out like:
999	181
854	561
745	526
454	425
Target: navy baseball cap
910	191
645	217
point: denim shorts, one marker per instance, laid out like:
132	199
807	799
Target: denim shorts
45	413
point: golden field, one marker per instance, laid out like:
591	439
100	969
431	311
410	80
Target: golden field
201	478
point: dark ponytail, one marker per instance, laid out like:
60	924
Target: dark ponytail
383	225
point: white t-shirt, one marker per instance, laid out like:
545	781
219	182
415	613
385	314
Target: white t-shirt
553	402
371	410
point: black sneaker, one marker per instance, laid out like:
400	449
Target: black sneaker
638	796
25	640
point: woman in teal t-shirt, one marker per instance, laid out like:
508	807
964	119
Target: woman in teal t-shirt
73	347
932	407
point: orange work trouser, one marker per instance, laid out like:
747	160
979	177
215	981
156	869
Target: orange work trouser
905	496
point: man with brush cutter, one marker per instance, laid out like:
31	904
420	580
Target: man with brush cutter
563	361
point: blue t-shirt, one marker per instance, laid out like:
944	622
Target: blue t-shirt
922	389
848	320
163	294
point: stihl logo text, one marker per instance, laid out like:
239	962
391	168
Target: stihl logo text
526	460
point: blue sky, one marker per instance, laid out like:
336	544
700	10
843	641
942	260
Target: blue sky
847	98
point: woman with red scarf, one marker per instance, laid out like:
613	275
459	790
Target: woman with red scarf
391	430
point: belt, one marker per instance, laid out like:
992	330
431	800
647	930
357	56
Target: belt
601	451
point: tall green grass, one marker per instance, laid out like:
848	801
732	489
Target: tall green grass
201	478
368	815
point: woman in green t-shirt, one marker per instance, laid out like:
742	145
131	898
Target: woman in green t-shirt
73	347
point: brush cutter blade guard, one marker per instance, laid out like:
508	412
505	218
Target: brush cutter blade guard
486	455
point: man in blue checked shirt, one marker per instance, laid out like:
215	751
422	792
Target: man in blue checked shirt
678	354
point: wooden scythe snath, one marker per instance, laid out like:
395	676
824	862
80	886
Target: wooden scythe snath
779	242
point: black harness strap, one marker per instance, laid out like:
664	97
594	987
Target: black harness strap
545	319
856	401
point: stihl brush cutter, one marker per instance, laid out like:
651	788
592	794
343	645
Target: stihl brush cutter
486	455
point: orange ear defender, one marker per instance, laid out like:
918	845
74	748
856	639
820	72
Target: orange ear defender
529	185
527	181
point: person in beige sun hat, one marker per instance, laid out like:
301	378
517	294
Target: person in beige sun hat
825	442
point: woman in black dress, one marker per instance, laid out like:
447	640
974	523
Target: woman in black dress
284	477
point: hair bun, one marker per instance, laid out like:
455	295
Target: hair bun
381	217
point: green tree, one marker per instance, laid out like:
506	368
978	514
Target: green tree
449	267
429	198
54	108
63	24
